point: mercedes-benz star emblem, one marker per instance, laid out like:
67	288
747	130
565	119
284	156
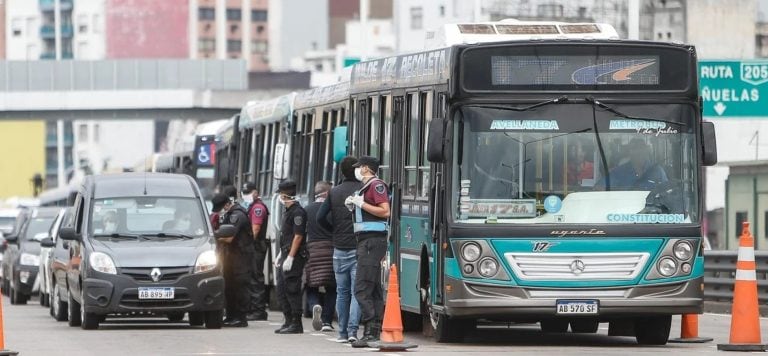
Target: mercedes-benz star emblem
155	274
577	267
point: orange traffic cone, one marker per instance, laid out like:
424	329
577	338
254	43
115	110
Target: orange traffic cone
745	314
391	338
689	330
3	351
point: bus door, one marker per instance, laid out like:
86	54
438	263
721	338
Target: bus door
437	203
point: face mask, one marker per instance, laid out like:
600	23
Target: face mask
248	199
183	224
110	226
359	173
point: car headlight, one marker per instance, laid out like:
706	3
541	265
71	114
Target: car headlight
683	250
206	262
470	252
488	267
28	259
101	262
667	266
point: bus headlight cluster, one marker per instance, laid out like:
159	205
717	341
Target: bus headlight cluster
683	250
676	259
478	260
488	267
667	266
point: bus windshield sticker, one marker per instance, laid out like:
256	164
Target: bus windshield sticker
500	208
647	218
655	128
524	125
552	204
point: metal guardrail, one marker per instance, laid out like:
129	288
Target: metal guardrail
720	271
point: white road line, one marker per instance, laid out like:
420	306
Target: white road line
317	334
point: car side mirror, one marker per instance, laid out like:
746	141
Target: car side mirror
436	142
69	234
225	231
339	143
47	242
709	144
12	239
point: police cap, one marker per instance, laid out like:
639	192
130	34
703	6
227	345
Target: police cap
287	187
249	187
371	162
219	201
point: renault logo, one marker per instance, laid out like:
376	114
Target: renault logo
577	267
155	274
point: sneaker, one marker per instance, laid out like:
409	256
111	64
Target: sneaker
342	339
351	339
327	327
317	312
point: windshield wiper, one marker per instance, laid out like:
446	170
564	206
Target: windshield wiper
117	235
560	99
171	235
618	113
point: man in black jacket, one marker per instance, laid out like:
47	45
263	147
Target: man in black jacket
335	217
237	266
321	281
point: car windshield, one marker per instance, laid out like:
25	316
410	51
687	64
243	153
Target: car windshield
38	228
135	216
554	165
6	224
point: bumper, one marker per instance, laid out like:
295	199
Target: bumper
25	278
474	300
110	294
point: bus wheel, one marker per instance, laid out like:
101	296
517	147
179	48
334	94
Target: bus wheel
450	330
653	330
411	321
586	326
554	325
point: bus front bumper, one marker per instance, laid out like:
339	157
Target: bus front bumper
476	300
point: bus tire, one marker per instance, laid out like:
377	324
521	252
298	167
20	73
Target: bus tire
653	330
411	321
448	330
554	325
585	326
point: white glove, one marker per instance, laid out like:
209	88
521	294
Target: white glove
277	260
348	203
358	200
287	264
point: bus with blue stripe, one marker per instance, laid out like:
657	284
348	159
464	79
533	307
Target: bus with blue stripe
539	174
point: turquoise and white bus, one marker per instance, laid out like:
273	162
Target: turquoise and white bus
552	177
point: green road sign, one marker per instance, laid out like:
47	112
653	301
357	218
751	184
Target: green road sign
734	88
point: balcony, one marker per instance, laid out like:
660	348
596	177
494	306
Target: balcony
49	5
48	31
51	55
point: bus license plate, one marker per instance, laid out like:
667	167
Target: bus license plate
156	293
577	307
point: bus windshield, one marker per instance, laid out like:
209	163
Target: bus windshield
576	163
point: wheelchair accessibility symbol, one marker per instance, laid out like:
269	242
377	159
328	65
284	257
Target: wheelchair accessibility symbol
205	156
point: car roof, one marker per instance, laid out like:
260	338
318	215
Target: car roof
143	184
47	212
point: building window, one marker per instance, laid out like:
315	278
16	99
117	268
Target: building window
417	18
82	23
96	133
258	15
260	29
741	217
234	15
258	46
206	44
82	133
206	13
234	45
16	26
233	28
442	10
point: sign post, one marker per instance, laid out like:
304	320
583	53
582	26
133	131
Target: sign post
734	88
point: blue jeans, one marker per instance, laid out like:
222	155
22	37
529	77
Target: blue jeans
345	268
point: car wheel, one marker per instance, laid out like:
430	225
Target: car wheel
196	318
59	307
89	321
43	298
50	305
175	317
17	297
213	319
73	311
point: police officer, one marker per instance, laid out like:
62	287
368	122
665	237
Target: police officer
291	259
237	266
258	214
371	210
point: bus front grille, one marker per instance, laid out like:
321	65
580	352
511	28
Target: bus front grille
576	266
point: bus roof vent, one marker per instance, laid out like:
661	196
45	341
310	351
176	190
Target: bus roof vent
477	29
527	29
579	28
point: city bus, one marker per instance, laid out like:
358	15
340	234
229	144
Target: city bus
539	172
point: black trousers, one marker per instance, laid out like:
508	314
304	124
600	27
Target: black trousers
256	287
371	249
237	273
289	285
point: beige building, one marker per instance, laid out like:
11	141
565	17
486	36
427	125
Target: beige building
230	29
2	29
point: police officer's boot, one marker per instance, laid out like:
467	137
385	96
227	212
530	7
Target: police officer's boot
286	323
296	326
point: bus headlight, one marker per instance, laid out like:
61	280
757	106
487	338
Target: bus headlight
683	250
488	267
667	267
470	252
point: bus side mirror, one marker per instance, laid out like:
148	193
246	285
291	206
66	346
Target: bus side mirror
436	142
339	143
709	143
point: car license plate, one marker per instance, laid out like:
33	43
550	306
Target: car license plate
156	293
577	307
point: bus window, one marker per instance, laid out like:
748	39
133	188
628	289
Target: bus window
412	134
425	115
385	137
